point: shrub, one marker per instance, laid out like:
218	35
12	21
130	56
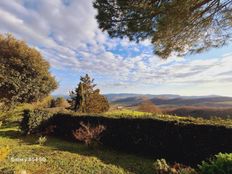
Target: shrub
88	134
148	106
44	103
59	102
220	164
33	119
161	167
42	140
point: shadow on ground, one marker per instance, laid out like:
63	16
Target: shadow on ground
131	163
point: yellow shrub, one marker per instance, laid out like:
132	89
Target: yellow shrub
4	151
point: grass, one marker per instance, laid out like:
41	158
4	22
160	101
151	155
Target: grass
66	157
127	113
131	114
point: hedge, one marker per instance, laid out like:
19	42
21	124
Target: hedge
34	120
186	143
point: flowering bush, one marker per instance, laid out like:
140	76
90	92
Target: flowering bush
88	134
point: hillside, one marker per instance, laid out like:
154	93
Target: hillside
168	100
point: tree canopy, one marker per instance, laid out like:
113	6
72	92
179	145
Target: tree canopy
86	99
24	74
180	26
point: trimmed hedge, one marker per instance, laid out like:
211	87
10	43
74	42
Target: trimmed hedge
186	143
34	120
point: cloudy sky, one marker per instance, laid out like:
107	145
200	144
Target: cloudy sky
67	34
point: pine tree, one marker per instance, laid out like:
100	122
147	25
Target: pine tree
86	99
181	26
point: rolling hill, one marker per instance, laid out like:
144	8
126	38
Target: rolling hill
169	100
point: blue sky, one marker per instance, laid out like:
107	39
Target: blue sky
67	34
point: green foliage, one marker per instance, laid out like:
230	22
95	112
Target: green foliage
86	99
42	140
220	164
32	120
172	26
161	167
24	74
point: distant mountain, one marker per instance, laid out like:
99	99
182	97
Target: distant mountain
171	100
121	96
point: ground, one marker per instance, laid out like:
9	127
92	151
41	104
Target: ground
65	157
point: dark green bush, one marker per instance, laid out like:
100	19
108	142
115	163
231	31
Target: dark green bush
220	164
151	137
32	120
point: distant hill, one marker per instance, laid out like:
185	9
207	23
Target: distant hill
122	96
169	100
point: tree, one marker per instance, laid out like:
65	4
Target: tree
86	99
24	74
181	26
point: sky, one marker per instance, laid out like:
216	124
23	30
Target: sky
67	35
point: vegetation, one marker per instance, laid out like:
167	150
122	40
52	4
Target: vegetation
4	151
86	99
42	140
220	164
24	74
148	106
154	133
161	167
88	134
172	26
127	113
59	102
66	157
33	119
58	156
203	112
